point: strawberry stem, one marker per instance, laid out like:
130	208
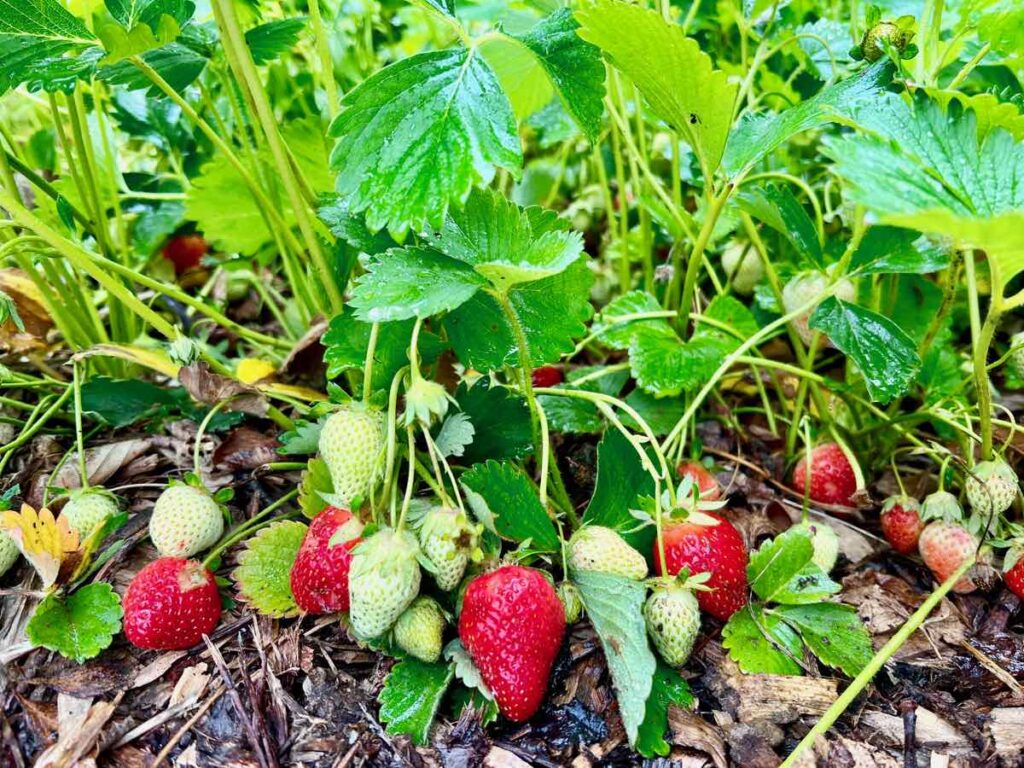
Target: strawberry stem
76	382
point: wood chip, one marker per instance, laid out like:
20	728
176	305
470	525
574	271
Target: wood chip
1007	729
932	731
502	758
688	729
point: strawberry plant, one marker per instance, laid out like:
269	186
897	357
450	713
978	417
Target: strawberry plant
505	363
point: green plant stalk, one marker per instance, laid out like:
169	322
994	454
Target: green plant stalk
46	188
323	50
982	385
83	473
526	369
967	68
697	252
84	149
232	38
31	429
854	689
93	221
244	529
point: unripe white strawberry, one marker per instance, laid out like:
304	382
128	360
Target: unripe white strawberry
352	446
673	621
806	287
185	521
597	548
383	581
420	629
87	509
743	266
8	553
991	487
448	539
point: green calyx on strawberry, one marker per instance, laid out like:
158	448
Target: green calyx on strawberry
597	548
570	596
425	400
825	541
672	615
991	487
705	483
512	624
420	629
901	523
87	509
384	579
807	287
185	521
449	541
834	478
742	265
352	446
705	542
941	505
171	604
320	574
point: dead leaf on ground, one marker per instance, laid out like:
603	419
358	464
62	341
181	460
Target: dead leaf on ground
101	462
245	448
211	388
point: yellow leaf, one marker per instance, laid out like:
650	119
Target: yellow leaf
276	389
249	370
45	542
150	358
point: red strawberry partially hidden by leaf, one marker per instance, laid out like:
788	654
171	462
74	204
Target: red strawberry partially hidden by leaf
716	548
833	479
512	624
546	376
704	480
901	523
171	604
185	252
319	576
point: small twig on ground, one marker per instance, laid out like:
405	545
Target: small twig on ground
908	709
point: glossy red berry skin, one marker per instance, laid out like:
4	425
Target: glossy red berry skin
546	376
705	481
902	526
185	251
171	604
319	575
715	549
833	480
1015	578
512	624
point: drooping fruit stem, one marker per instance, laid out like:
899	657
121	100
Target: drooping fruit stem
83	473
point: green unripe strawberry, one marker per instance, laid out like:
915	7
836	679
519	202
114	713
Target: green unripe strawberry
884	31
87	509
570	597
673	620
743	266
185	521
383	581
420	628
596	548
449	540
8	553
806	287
991	487
352	446
826	545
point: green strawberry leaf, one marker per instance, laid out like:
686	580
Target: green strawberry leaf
621	479
176	63
782	570
988	110
351	227
413	282
411	697
758	134
302	440
455	434
263	575
885	355
415	137
761	643
670	70
894	250
614	605
503	499
45	46
777	206
501	421
572	415
668	689
121	43
270	40
77	626
616	325
825	61
660	413
553	312
833	632
316	483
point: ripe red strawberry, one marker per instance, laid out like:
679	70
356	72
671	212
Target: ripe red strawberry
185	251
171	604
944	547
717	549
319	575
1014	571
512	624
833	480
546	376
901	523
704	480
